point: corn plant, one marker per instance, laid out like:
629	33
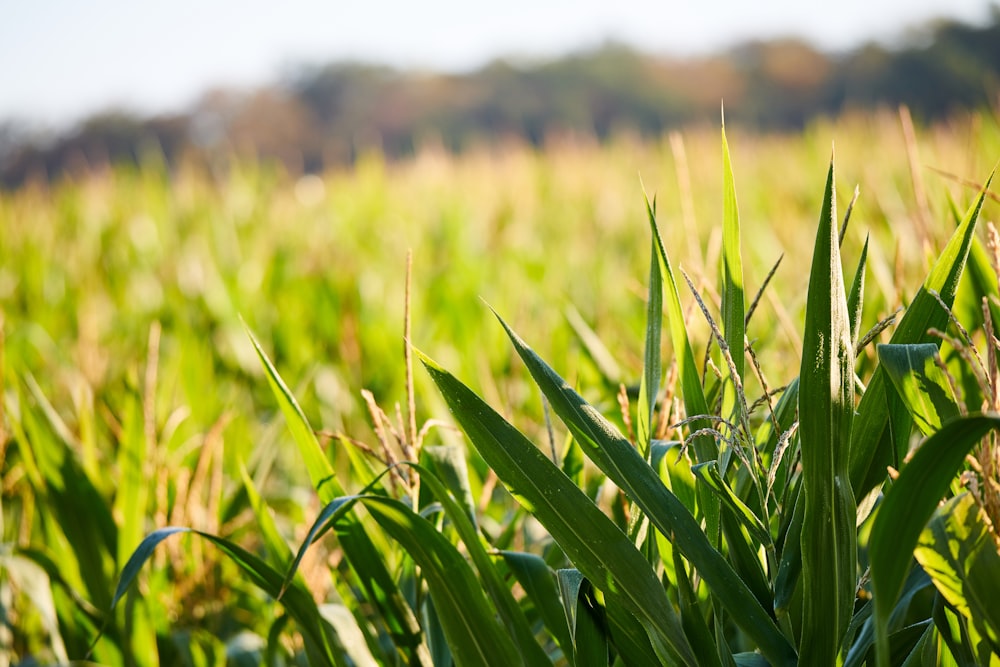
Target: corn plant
753	528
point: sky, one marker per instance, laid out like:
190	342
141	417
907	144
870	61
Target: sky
61	60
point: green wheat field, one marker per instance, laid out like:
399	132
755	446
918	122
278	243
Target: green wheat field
516	406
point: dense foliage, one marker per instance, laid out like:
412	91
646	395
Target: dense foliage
177	489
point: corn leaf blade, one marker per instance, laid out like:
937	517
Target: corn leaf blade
593	543
922	385
826	410
613	454
871	446
907	507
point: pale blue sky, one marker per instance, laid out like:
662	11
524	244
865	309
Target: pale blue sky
63	59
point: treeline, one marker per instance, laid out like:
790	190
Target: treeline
323	116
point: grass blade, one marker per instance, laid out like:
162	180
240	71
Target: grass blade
826	411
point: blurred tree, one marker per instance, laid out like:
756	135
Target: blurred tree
322	116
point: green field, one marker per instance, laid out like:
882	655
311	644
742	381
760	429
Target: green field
133	397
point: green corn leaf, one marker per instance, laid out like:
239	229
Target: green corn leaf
694	395
511	614
958	552
744	554
297	601
349	633
649	387
365	559
613	454
320	471
334	510
468	620
573	462
539	584
856	297
862	649
826	410
872	448
595	348
692	616
907	507
448	464
674	468
790	564
630	641
709	474
585	619
924	652
593	543
733	308
695	403
955	634
921	384
984	279
278	550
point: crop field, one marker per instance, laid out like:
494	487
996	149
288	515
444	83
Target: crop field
249	417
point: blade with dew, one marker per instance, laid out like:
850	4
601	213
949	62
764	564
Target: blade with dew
907	507
826	412
871	447
592	542
613	454
920	383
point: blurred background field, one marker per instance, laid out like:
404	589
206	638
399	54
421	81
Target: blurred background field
133	249
122	294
